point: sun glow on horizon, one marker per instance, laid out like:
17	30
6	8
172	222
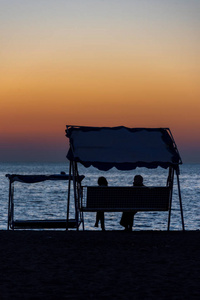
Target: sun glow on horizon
98	64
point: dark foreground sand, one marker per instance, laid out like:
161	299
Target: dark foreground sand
99	265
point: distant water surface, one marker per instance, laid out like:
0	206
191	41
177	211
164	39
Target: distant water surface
48	199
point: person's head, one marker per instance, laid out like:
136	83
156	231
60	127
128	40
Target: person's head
138	180
102	181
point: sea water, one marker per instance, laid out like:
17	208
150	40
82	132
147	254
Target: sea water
48	200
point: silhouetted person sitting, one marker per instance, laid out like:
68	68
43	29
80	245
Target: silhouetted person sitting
102	181
128	217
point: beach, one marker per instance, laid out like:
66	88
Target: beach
99	265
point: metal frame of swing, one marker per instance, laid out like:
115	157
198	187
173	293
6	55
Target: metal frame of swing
80	208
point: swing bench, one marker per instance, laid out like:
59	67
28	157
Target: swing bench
16	223
125	149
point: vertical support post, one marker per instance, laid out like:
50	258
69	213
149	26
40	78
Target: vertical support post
79	195
74	170
9	204
170	183
11	216
180	199
68	198
83	221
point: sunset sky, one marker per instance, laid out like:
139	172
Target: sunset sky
97	63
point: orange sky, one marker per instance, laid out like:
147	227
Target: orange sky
100	64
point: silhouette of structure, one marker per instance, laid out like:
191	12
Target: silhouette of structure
104	148
14	223
125	149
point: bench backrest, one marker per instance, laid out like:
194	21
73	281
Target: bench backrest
97	198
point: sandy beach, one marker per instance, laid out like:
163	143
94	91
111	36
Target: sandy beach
99	265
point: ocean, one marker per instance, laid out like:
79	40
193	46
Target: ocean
48	200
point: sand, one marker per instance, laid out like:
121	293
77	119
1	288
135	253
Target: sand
99	265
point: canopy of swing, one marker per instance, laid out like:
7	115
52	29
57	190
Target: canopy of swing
122	147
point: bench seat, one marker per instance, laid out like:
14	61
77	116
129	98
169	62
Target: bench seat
38	224
119	199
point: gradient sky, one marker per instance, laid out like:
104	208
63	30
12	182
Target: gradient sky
97	63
